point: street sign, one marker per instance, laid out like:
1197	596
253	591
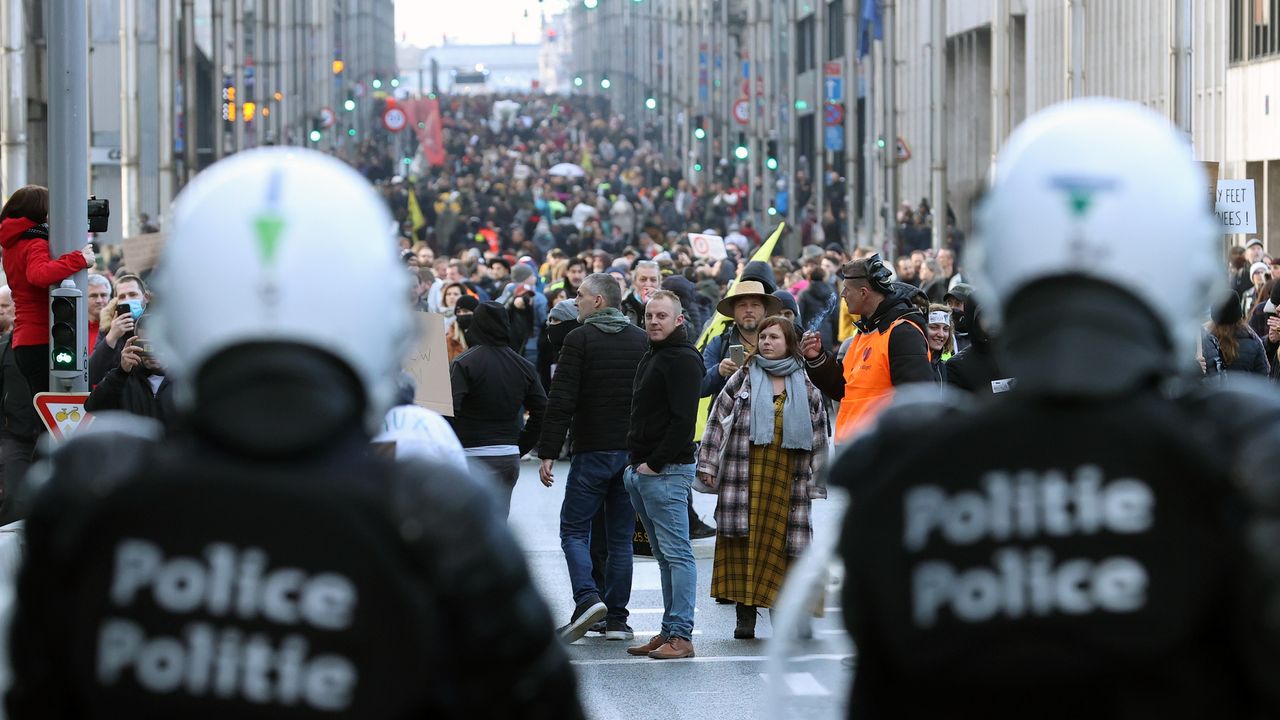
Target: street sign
902	150
742	111
834	138
62	413
832	67
832	114
759	87
707	246
394	119
834	87
1236	207
328	117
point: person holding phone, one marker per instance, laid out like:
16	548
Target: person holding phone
748	303
120	317
138	385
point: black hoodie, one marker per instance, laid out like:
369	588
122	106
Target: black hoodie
491	383
908	350
976	367
664	405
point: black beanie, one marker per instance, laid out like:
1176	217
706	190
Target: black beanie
1229	312
467	302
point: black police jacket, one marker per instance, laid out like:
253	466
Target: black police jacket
1066	560
170	581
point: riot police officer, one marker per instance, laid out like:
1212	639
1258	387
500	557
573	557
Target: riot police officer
258	561
1095	542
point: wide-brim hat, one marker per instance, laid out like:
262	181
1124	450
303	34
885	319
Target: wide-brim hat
749	288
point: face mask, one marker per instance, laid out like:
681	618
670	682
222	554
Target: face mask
464	321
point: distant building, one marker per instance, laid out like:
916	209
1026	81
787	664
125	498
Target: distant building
474	68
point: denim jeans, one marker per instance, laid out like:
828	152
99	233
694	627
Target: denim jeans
662	502
595	479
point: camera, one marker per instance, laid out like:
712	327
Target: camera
99	214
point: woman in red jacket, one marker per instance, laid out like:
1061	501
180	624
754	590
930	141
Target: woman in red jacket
24	238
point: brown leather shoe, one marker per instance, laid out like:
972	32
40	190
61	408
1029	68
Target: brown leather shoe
654	643
675	649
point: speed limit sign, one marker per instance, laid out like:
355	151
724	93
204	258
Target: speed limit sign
394	119
327	117
742	111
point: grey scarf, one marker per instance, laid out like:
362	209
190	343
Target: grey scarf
610	320
797	427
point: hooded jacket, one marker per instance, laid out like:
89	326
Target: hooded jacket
664	408
813	301
591	390
31	271
908	350
975	367
491	383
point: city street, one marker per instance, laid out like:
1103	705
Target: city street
726	679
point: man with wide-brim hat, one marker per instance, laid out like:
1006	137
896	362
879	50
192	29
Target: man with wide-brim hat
748	303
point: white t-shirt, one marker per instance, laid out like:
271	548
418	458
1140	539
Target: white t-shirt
422	433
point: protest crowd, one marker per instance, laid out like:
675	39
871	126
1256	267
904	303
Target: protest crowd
598	307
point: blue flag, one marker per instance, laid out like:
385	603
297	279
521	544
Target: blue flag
869	26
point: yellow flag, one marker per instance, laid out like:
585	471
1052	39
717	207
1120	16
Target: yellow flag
415	211
720	322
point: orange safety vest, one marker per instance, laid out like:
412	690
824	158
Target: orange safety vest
868	385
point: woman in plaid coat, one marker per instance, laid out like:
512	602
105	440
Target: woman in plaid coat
764	445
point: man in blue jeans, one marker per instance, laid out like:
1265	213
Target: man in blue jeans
591	389
663	412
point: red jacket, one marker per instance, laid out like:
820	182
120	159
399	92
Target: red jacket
31	271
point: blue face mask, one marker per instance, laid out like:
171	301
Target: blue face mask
135	308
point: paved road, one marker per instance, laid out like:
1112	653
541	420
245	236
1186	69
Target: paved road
726	679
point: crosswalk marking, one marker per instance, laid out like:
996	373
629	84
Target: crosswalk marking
802	684
713	659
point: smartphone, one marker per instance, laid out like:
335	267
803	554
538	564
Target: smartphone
738	354
122	309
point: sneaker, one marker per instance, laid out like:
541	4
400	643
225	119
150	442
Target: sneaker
701	530
676	648
599	628
618	630
588	613
654	643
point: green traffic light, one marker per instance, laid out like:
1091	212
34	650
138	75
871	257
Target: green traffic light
773	211
741	152
802	105
577	82
651	103
377	84
395	82
697	167
407	161
352	132
349	105
699	133
604	83
771	163
315	136
590	4
880	142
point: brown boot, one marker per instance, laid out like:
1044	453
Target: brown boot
675	649
654	643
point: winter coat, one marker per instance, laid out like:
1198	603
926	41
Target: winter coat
664	405
30	271
131	392
491	383
725	454
592	390
1251	354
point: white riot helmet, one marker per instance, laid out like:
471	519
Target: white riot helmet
1103	189
266	228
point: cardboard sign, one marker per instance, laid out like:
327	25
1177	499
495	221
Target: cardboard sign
708	247
62	413
142	252
1236	207
428	364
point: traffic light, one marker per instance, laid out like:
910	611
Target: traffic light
577	81
651	103
771	155
698	132
604	83
351	132
741	152
590	4
697	167
350	104
65	314
315	136
338	67
880	142
377	84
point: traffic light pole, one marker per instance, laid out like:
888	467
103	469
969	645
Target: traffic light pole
68	34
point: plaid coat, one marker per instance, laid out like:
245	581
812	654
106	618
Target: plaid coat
725	454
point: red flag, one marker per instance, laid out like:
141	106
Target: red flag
425	116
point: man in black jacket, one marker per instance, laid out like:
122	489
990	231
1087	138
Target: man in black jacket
138	386
592	390
492	386
663	414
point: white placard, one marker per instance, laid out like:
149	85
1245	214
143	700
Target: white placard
709	247
1236	207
